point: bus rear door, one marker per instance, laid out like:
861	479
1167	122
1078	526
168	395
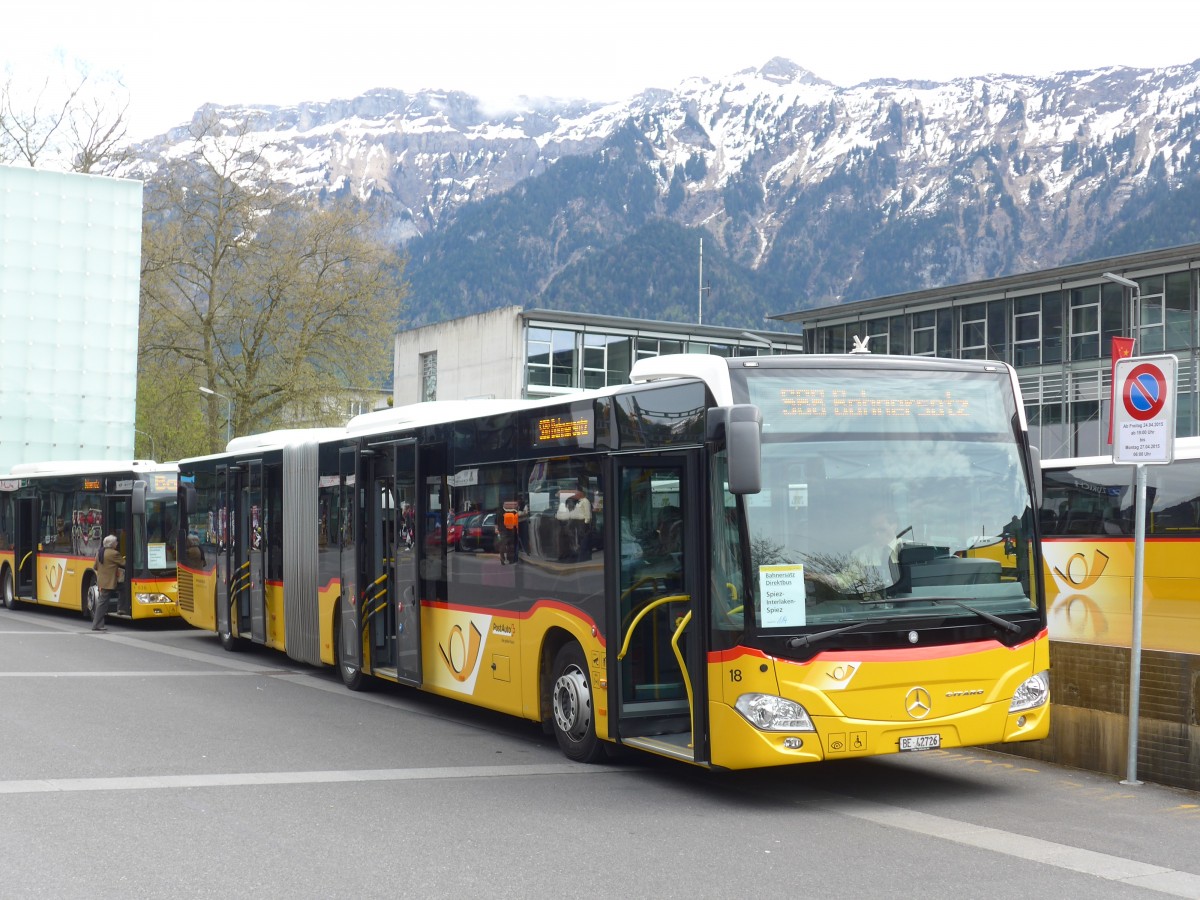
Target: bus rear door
658	619
349	633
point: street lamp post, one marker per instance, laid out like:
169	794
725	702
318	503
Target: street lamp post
228	411
150	438
1135	319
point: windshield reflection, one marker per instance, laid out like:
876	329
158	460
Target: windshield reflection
851	530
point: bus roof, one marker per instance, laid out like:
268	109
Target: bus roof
89	467
712	370
274	440
435	411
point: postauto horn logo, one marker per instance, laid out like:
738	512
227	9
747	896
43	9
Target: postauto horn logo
1078	573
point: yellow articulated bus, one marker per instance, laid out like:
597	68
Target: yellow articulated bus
1087	521
53	516
730	562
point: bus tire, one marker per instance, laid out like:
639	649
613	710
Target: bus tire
352	675
228	641
91	596
571	708
10	594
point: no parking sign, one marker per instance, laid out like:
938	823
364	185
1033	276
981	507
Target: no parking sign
1144	409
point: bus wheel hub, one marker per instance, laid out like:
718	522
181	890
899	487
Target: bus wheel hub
572	703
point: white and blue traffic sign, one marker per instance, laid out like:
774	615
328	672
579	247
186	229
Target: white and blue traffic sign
1144	409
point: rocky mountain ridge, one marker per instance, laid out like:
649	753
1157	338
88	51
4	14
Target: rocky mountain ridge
805	193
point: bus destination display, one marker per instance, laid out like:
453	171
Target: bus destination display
892	403
574	429
840	402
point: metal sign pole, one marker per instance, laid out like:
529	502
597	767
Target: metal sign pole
1143	434
1135	644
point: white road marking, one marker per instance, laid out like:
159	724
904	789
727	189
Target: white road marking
1062	856
242	779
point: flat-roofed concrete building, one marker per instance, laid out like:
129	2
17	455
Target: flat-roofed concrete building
513	353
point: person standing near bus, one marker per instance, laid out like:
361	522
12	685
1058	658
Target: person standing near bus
110	566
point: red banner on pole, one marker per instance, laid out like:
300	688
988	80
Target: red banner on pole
1122	348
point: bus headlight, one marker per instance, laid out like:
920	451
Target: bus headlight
152	598
1033	692
767	712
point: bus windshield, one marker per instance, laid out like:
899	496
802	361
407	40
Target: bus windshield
160	548
891	494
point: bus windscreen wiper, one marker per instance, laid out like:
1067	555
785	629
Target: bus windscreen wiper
1006	625
807	640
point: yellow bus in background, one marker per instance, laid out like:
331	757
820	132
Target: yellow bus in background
674	565
1087	521
53	516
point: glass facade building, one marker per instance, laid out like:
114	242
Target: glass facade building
1055	327
586	352
70	267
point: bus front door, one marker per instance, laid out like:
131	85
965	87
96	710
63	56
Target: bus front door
25	547
117	522
658	619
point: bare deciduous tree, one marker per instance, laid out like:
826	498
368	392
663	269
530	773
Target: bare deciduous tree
274	304
73	121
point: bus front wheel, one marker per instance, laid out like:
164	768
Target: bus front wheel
571	705
91	597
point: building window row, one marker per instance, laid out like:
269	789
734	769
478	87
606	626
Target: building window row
562	359
1045	328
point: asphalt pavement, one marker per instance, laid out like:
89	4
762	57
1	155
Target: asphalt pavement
148	762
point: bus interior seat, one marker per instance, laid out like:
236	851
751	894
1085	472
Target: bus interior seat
1181	517
1081	522
1114	523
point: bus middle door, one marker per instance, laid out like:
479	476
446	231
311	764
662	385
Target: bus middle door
404	573
658	616
389	610
254	528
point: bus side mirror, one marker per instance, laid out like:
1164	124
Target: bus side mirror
137	498
741	427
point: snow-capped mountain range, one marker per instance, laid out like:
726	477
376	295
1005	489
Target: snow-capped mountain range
805	193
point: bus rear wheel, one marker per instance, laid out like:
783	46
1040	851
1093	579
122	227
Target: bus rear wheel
10	596
228	641
571	706
352	673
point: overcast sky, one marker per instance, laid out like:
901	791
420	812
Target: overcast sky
174	57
